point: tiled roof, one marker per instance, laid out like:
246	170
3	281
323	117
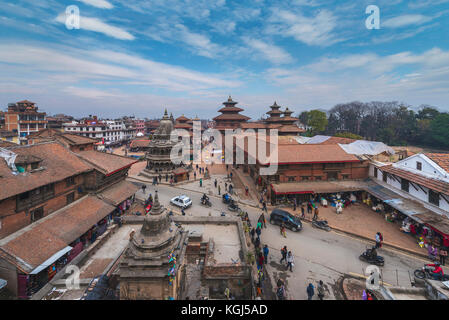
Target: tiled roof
30	247
52	134
231	117
58	163
105	162
75	139
230	109
290	128
303	153
336	140
183	126
441	159
7	144
118	192
140	143
182	118
434	184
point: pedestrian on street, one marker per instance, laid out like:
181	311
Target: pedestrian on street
310	291
264	221
144	186
194	175
219	190
294	205
264	206
201	182
443	255
320	289
315	216
227	293
309	208
303	212
378	240
252	232
183	212
290	261
258	230
226	186
265	253
257	242
284	254
215	183
283	231
259	223
260	261
246	191
166	177
230	175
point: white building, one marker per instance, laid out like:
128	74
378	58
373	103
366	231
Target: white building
110	131
421	177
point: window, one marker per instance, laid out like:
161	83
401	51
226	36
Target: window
70	197
70	181
418	165
34	165
405	185
434	198
333	165
318	178
384	176
345	176
37	214
291	179
305	178
375	172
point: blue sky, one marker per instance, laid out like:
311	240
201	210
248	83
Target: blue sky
139	57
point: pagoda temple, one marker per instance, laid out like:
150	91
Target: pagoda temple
230	117
150	268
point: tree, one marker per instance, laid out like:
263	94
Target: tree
317	120
349	135
439	131
304	117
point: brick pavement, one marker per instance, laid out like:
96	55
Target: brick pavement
360	220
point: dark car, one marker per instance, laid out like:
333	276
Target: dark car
291	222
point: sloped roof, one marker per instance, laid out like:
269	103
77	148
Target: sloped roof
231	116
58	163
140	143
31	246
105	162
441	159
434	184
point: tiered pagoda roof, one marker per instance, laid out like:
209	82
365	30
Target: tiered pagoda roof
230	112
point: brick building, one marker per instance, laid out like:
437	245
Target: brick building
58	200
23	118
73	142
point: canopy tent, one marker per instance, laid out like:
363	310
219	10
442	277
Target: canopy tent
51	260
363	147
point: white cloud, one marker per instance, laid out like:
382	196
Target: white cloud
103	4
96	25
315	30
90	93
269	52
405	20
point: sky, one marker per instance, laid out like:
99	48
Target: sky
132	57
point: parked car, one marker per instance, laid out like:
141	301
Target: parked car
182	201
291	222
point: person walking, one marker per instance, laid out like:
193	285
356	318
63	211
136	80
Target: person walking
320	290
284	254
283	231
215	183
264	206
258	231
144	187
315	216
194	175
259	223
252	232
378	240
201	182
303	212
310	291
443	255
219	190
166	177
294	205
257	243
309	208
227	293
290	261
260	261
246	191
264	221
265	253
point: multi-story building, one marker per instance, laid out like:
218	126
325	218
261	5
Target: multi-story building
110	132
139	124
58	200
23	118
56	121
230	117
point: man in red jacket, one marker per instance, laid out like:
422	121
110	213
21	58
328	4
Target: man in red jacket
437	272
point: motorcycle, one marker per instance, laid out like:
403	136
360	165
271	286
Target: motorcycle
426	273
368	257
322	224
206	202
233	207
226	198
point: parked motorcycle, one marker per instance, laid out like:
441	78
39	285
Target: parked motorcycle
367	256
233	207
322	224
426	273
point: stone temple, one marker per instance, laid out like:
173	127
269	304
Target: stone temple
158	156
150	268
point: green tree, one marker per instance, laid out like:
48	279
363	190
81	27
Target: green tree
349	135
439	131
317	120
